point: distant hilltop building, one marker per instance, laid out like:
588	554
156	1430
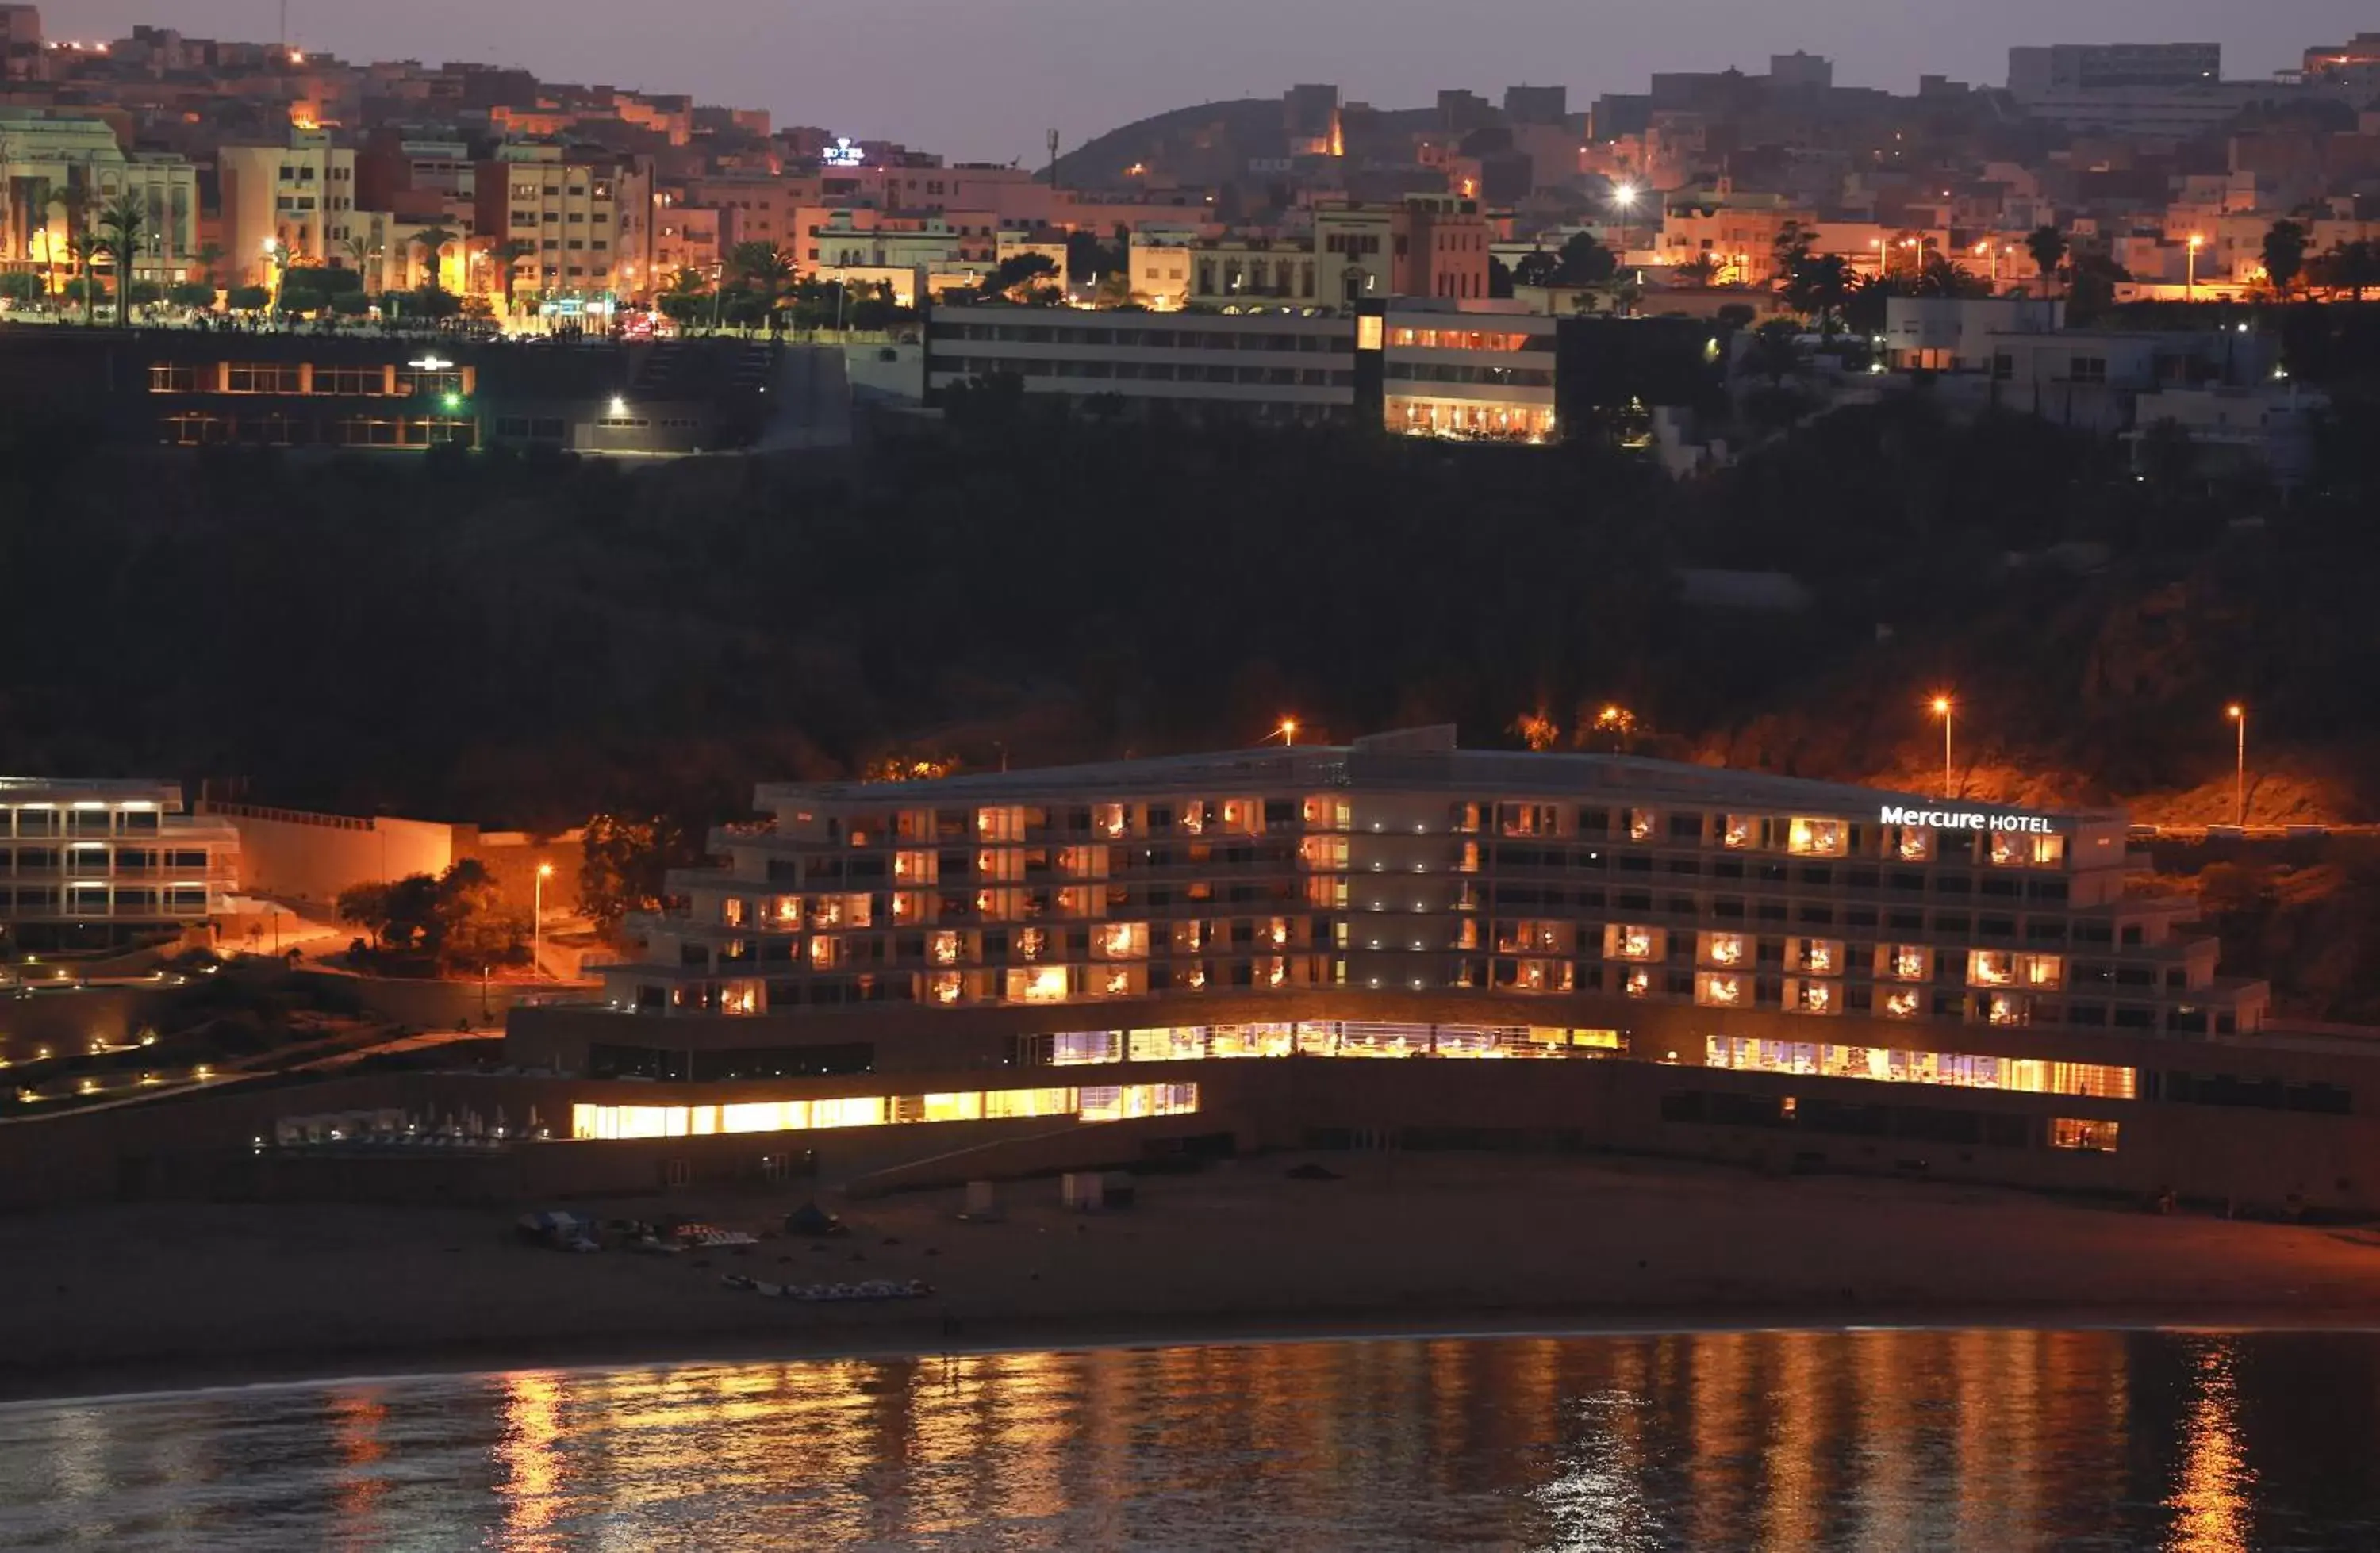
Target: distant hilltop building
2043	71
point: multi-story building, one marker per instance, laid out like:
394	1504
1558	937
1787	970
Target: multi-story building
1268	362
2037	72
48	159
96	866
567	206
1681	900
1700	961
286	204
1470	374
20	43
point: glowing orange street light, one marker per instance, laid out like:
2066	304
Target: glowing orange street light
1286	732
2238	714
1945	709
2190	280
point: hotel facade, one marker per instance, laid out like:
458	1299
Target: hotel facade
98	866
1697	961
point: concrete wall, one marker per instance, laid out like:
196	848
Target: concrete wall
310	857
71	1021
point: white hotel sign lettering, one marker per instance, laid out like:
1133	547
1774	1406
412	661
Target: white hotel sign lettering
1966	820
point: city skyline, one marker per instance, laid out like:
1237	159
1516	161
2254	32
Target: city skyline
1085	72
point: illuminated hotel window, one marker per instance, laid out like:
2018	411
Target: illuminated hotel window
1816	838
1722	989
1739	831
1277	932
1990	967
2096	1137
1913	844
1638	984
824	952
1902	1005
731	911
1817	956
944	947
1074	1048
2026	851
1189	937
1328	814
1171	1045
2042	970
1904	962
1640	825
1805	995
1725	948
1122	941
1191	819
2002	1008
1030	943
1043	984
1628	941
917	867
1954	1070
788	911
945	987
740	997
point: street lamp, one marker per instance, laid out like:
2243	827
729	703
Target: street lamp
536	923
1945	709
1286	732
2190	281
2238	714
1992	249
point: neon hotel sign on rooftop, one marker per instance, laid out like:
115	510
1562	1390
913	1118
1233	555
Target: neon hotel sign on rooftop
1966	820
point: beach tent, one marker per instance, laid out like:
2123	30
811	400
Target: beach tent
811	1220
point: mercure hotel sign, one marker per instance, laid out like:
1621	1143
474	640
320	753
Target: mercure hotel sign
1967	819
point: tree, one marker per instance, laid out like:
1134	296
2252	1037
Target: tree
191	294
248	298
119	239
209	255
2285	248
19	286
507	256
1701	270
2352	267
1538	268
1017	273
81	244
1585	261
621	863
1943	277
432	242
1499	277
358	246
687	298
2090	280
72	201
765	272
2047	245
1817	287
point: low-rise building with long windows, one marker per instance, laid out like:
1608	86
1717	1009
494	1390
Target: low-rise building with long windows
1690	960
90	866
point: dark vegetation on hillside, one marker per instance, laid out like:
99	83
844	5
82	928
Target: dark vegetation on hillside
527	643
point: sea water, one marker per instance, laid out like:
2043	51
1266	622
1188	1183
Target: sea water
1989	1439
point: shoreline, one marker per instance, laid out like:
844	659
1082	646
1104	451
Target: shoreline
149	1299
37	1384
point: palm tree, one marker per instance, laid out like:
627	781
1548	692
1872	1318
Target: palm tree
119	239
767	270
2047	245
73	201
1701	270
361	252
507	256
209	255
433	240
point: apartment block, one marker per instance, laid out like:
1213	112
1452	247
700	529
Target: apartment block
297	199
566	206
90	867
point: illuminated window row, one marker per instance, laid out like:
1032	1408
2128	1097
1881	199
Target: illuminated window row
1116	1103
1329	1038
2018	1074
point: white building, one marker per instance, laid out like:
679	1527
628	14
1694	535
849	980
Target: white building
2267	426
100	867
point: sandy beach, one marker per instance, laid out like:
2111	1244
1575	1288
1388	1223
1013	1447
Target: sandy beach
154	1296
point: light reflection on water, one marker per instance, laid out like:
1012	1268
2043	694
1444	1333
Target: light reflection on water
1990	1440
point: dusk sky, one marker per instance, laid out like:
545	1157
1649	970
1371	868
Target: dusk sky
982	80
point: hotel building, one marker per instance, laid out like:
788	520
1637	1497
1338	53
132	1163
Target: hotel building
98	866
1698	961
